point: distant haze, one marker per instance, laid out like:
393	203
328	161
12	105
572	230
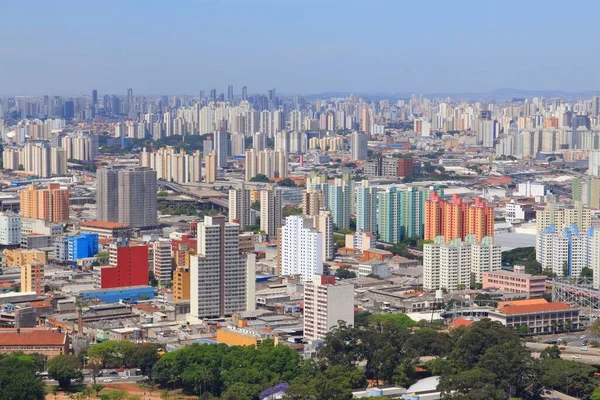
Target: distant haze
69	47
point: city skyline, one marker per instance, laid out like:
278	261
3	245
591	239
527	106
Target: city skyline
392	48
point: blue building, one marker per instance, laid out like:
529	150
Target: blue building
83	245
115	295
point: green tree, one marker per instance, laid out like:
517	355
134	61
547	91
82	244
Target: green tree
586	272
18	380
550	352
97	388
400	320
344	273
65	368
287	182
595	394
144	356
570	377
260	178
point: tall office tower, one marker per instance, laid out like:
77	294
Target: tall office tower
50	204
340	197
10	229
221	139
456	219
365	122
239	207
230	93
456	265
324	224
400	213
213	95
301	251
32	278
126	195
325	304
94	97
129	106
312	202
244	93
218	271
358	146
210	167
270	211
162	261
69	109
366	207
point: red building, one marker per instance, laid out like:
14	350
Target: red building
405	167
128	267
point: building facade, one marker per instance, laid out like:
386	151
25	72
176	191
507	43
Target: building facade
325	304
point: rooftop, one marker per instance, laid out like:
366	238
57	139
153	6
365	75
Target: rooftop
31	337
530	306
103	224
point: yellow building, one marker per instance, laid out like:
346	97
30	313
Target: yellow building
181	284
210	167
235	336
18	257
32	278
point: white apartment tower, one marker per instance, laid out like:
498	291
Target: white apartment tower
10	229
325	304
218	271
301	248
162	261
239	207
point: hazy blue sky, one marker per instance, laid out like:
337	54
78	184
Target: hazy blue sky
297	46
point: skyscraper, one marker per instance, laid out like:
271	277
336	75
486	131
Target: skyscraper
244	93
230	93
358	145
210	167
218	271
94	97
324	224
239	207
366	207
340	198
221	147
126	195
270	211
301	248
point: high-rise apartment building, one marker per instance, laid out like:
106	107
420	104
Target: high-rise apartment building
340	198
358	146
162	261
239	207
366	207
50	204
301	248
565	251
457	264
312	202
10	229
218	271
81	147
181	284
268	162
126	195
324	224
32	278
173	166
270	210
221	140
457	219
400	213
38	158
210	167
325	304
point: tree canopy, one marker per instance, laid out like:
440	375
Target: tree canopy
18	380
65	368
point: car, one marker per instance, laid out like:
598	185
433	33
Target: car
576	356
583	348
107	380
582	337
124	377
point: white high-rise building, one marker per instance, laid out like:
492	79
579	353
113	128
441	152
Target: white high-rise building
594	163
324	224
325	304
270	211
10	229
218	271
162	261
566	251
454	265
301	248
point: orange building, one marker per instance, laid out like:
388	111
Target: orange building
181	284
456	219
243	336
50	204
551	122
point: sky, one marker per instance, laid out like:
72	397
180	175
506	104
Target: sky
70	47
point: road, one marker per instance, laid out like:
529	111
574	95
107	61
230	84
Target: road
591	356
103	379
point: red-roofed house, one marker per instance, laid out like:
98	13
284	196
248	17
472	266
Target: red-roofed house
33	340
460	322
